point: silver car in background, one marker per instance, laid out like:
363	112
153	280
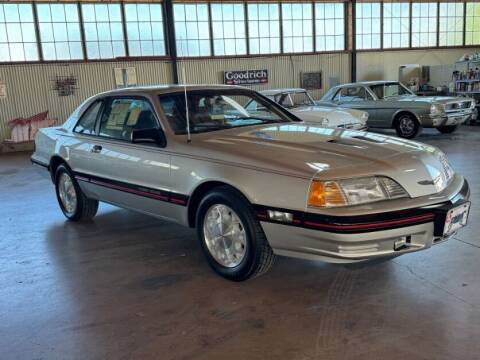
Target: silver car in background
300	103
392	105
254	183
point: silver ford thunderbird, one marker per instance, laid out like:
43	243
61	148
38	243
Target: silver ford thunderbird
254	183
392	105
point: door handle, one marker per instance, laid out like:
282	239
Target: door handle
96	149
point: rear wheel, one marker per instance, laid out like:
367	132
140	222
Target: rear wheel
73	202
231	238
447	129
407	126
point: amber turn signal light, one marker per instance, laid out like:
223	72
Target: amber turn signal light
325	194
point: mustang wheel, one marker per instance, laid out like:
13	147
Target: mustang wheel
448	129
407	126
231	238
73	202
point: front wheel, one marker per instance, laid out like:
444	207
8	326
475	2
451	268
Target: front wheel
231	238
73	202
447	129
407	126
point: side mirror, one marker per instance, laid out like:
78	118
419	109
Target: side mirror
149	136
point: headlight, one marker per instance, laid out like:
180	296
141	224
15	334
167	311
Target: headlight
348	192
436	109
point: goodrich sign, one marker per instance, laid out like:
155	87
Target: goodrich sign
243	77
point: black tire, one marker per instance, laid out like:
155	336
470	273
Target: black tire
85	208
258	257
407	126
447	129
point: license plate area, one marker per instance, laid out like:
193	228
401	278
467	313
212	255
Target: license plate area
456	218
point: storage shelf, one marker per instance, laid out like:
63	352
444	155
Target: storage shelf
467	81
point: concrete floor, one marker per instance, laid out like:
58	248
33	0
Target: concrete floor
128	286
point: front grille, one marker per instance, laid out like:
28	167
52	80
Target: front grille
458	106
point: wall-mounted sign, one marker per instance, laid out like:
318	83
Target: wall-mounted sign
245	77
3	90
125	77
312	80
64	85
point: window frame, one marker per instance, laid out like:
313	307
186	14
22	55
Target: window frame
108	101
409	18
256	22
84	112
198	39
164	29
292	19
20	22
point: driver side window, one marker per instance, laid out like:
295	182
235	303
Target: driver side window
123	115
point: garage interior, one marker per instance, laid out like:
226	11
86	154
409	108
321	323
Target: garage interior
129	286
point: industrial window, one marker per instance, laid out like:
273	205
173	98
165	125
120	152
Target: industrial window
472	26
450	24
191	29
329	26
424	24
18	41
396	25
264	28
368	26
297	27
144	23
228	27
59	26
103	31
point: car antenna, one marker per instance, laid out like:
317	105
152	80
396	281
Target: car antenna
184	77
189	139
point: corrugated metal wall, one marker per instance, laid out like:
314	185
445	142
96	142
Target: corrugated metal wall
30	87
283	71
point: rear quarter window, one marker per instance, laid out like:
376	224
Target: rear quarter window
86	124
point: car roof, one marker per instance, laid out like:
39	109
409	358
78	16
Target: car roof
369	83
281	91
166	89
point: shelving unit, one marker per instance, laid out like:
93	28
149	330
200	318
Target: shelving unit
462	85
469	87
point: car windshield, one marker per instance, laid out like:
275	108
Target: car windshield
294	99
384	91
211	110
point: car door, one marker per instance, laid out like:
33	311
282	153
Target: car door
135	176
357	97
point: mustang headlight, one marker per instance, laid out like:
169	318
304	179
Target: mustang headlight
348	192
437	109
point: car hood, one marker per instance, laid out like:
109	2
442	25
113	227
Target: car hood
335	116
427	99
302	150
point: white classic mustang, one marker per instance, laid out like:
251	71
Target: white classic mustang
253	183
301	104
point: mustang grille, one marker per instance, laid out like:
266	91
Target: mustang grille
458	106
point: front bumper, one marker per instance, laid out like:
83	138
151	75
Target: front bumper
359	238
446	120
